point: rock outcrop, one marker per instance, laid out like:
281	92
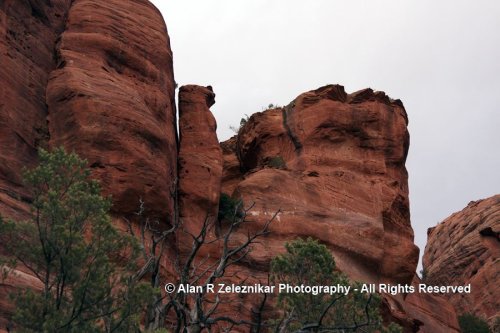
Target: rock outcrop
465	249
111	99
334	163
427	313
200	158
28	33
95	77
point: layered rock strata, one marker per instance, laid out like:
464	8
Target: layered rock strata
28	33
200	158
95	77
111	99
334	163
465	249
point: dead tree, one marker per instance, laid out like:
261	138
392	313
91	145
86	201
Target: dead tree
195	312
152	240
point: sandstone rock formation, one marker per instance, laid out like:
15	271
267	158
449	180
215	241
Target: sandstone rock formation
465	249
111	99
334	163
427	313
95	77
28	32
200	158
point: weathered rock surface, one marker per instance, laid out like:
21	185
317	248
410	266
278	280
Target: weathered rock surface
200	158
96	77
334	163
465	249
232	174
427	313
111	99
28	31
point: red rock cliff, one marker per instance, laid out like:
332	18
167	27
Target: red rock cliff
96	77
200	158
465	249
28	33
334	163
111	99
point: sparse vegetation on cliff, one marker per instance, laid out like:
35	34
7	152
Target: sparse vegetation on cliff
276	162
70	245
307	262
243	122
470	323
229	207
271	106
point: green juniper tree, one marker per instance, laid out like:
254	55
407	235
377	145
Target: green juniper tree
306	262
470	323
71	246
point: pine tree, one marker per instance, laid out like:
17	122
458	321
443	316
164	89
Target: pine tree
71	246
309	263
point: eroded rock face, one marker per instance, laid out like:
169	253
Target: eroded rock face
334	163
200	158
111	99
428	313
96	77
465	249
28	32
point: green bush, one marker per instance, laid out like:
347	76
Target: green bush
229	208
472	324
276	162
307	262
243	122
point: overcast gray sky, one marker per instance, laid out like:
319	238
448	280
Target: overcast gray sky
441	58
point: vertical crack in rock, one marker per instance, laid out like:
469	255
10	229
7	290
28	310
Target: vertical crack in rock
287	111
